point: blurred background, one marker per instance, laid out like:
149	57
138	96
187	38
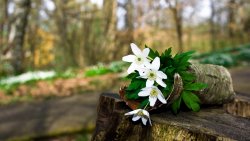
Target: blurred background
64	47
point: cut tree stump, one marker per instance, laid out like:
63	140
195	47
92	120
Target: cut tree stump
211	123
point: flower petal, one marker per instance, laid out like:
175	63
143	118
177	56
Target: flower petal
149	83
143	93
152	100
145	113
144	120
156	63
142	71
149	121
145	52
161	74
161	98
160	82
148	116
129	58
132	112
132	68
135	49
135	118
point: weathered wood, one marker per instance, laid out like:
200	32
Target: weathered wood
208	124
240	106
219	81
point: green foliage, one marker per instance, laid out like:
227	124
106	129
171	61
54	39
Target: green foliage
227	57
195	86
220	59
191	100
97	71
244	55
101	69
176	105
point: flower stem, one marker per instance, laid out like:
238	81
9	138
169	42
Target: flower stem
146	106
150	58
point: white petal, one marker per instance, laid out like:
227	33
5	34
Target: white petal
161	74
152	100
142	70
132	68
135	118
156	63
145	113
145	52
135	49
149	121
143	93
161	98
149	83
160	82
144	120
132	112
129	58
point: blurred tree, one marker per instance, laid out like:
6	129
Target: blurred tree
4	27
21	12
212	25
176	6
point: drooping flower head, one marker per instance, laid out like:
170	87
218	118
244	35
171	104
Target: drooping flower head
154	93
140	114
138	60
153	74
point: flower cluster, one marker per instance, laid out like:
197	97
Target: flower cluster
148	69
155	77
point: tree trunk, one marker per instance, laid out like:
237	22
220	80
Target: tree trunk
211	123
212	25
208	124
177	10
21	20
109	14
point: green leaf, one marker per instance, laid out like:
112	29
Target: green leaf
191	100
143	103
132	95
195	86
136	84
152	54
132	75
176	105
187	76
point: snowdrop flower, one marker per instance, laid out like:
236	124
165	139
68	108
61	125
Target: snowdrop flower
153	74
138	60
154	93
140	113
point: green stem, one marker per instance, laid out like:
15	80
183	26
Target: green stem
150	58
146	106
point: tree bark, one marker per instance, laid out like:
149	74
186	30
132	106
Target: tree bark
21	20
219	81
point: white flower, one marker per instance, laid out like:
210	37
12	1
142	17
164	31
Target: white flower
138	60
154	93
140	113
153	74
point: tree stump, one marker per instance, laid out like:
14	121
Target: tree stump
211	123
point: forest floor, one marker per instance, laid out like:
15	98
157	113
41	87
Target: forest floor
71	114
